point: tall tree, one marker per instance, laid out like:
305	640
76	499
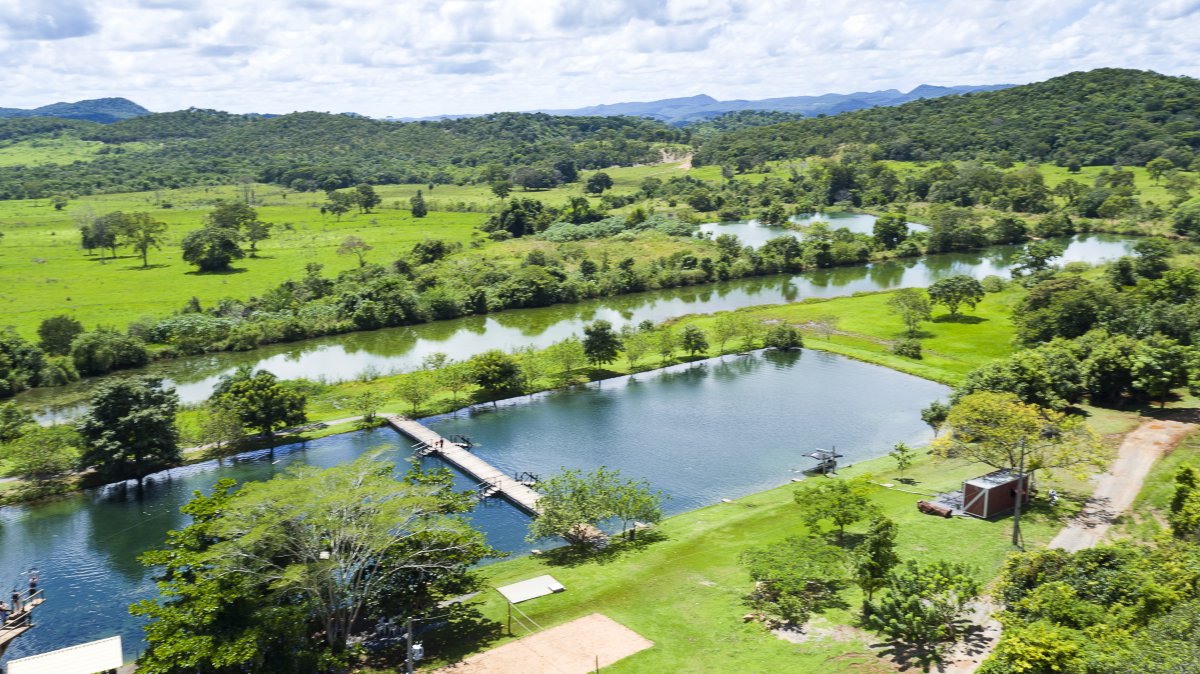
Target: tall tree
841	502
143	232
693	340
353	245
876	556
598	182
601	343
913	308
212	248
956	291
366	197
496	372
57	332
999	430
264	404
417	205
129	431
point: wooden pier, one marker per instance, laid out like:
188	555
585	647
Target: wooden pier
492	481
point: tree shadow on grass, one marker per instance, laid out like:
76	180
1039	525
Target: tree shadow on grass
465	631
928	657
146	268
219	272
578	555
961	318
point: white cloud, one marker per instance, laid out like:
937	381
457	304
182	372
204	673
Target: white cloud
422	57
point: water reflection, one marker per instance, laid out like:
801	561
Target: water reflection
401	349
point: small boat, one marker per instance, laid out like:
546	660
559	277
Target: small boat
826	461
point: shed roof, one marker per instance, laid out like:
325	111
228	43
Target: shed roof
89	658
995	478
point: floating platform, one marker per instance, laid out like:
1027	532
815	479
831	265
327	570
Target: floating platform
492	481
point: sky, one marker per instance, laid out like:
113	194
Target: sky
414	58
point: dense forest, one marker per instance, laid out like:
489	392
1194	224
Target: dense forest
1100	117
321	151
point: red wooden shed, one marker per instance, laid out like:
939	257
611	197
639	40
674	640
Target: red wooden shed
994	494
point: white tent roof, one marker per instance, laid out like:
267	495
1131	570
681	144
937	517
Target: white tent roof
529	589
89	658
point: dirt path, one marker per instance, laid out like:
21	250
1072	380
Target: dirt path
577	647
1116	490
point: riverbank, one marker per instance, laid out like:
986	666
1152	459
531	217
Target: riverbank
684	588
858	327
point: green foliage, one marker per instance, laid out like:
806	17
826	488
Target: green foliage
598	182
935	415
693	340
129	430
572	502
876	556
1027	122
212	248
417	205
57	332
277	576
1062	306
924	605
416	388
263	403
909	348
1039	647
13	421
840	502
42	453
601	343
107	350
904	455
21	363
783	337
956	291
998	430
496	372
912	306
796	577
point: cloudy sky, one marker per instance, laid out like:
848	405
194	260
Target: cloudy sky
412	58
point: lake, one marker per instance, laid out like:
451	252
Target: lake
700	432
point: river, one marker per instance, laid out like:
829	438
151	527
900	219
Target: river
700	432
342	357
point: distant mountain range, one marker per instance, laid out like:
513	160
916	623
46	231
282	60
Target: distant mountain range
103	110
677	111
699	108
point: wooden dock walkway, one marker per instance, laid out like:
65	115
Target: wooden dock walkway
492	481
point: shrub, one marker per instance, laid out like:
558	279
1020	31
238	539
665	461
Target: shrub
909	348
784	338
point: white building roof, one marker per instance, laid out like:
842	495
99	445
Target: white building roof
530	589
89	658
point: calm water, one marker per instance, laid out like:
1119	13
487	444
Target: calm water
700	432
754	233
343	357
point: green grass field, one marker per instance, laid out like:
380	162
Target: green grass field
686	592
44	272
56	151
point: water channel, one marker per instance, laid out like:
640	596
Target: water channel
342	357
700	432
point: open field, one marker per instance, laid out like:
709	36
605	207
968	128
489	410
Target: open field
686	591
44	272
57	151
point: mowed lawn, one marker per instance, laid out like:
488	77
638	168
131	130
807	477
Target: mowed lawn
865	328
686	592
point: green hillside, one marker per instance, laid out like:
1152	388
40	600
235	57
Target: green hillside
1104	116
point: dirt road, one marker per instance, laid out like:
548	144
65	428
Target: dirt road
1116	490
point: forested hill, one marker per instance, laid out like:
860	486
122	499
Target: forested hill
314	151
1103	116
103	110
